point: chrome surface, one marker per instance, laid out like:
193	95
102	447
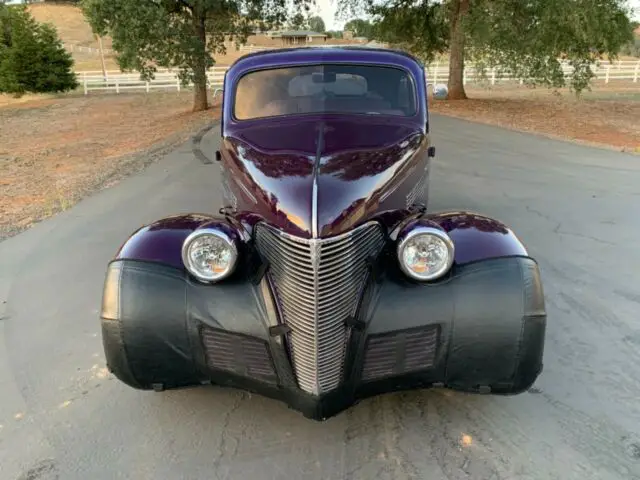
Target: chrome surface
204	233
418	192
317	283
423	230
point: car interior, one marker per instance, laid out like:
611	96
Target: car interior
369	90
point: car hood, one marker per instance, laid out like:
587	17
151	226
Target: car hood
318	178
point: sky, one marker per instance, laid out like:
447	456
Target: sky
327	9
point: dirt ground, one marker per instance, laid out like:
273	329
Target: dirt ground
607	116
56	150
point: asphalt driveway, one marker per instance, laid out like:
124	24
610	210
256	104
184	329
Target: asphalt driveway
577	209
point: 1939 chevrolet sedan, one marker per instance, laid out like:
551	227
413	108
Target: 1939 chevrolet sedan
325	278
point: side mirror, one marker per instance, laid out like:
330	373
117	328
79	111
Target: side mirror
440	91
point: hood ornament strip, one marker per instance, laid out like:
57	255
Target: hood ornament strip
314	190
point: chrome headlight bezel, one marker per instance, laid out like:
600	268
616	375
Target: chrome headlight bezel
209	232
422	230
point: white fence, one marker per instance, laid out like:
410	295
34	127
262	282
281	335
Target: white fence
118	82
164	80
438	72
72	47
94	51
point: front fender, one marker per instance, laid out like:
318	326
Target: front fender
477	237
161	241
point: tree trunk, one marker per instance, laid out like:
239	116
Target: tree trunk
200	100
459	9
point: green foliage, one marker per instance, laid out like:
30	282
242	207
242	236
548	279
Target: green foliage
422	30
529	39
298	22
316	24
32	58
632	49
181	34
541	34
359	27
334	33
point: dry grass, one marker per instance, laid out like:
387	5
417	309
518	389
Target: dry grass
86	62
69	21
607	116
73	29
55	150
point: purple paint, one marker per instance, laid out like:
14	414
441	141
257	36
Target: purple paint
324	174
162	241
363	164
477	237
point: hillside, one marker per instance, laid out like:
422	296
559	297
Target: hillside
74	30
70	23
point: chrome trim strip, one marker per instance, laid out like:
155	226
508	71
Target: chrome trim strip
314	190
314	208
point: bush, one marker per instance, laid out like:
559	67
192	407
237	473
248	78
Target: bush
32	58
632	49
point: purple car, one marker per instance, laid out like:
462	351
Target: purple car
325	278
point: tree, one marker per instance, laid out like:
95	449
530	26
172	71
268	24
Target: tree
298	22
181	34
528	39
359	27
32	58
316	24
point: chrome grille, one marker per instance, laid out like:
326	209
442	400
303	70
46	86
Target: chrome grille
317	283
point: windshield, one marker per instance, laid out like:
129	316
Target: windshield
355	89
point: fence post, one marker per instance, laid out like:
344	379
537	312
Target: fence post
86	90
606	78
493	76
636	72
117	85
178	83
147	85
464	75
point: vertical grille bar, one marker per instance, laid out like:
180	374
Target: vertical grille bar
317	283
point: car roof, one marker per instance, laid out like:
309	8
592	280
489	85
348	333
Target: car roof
324	54
324	49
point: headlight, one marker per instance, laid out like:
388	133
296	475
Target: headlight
425	253
209	254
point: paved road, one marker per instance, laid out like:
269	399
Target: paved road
577	208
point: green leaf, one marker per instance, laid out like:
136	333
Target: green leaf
32	58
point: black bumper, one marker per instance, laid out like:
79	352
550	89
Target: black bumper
480	330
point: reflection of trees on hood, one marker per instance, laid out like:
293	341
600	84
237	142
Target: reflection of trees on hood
354	165
179	222
280	165
467	220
